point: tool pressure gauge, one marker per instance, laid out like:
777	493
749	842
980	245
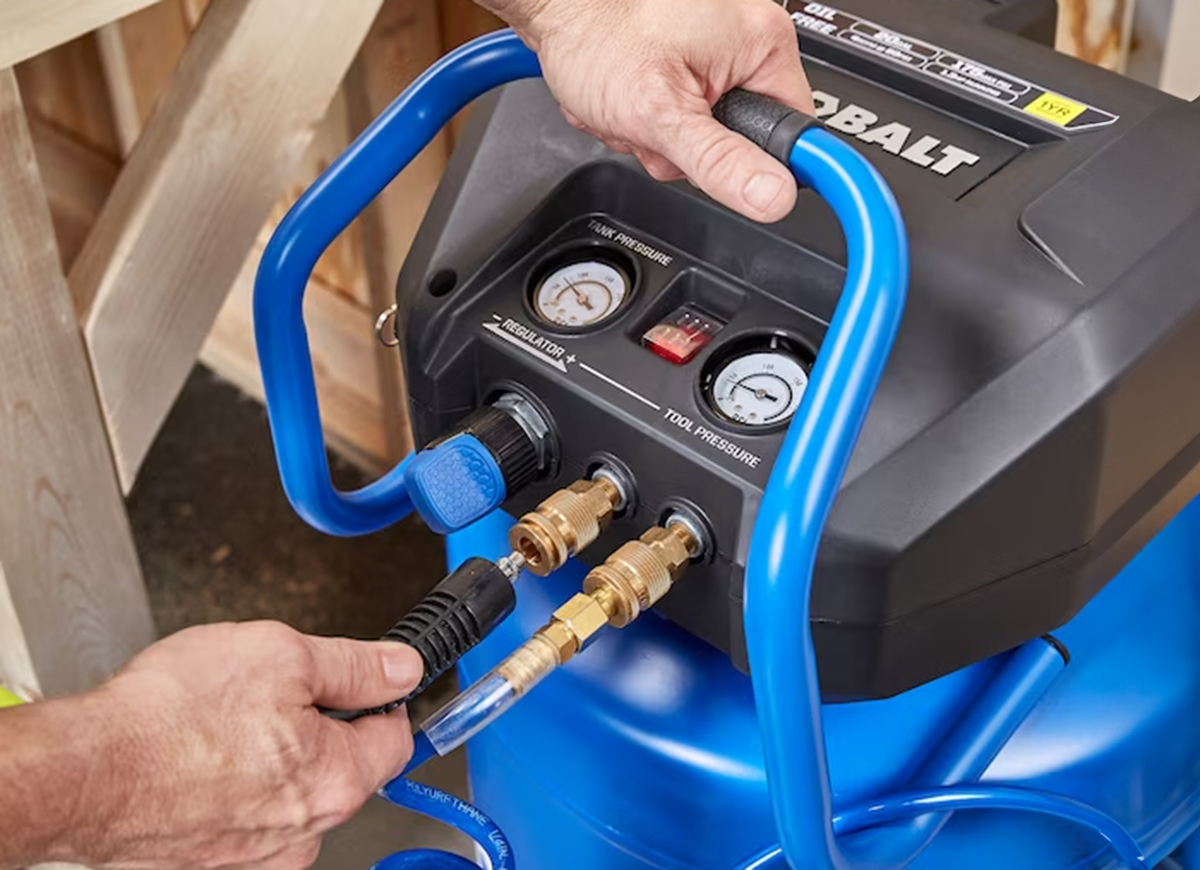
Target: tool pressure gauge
581	294
758	383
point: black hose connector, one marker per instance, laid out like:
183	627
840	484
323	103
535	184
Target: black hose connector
449	622
767	123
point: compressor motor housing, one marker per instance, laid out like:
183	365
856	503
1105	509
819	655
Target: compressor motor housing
1037	424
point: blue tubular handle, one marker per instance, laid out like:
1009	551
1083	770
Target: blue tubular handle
322	213
783	550
803	485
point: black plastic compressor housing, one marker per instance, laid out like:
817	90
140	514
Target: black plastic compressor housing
1039	419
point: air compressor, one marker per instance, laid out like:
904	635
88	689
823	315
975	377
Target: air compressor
892	502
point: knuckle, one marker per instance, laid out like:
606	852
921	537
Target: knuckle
771	20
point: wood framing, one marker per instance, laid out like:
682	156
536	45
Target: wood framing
1097	31
72	604
201	182
405	40
1181	60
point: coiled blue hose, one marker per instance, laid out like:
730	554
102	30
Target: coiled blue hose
455	812
940	800
797	501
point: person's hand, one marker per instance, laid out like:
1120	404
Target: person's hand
642	76
222	758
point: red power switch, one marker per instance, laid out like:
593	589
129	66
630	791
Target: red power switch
685	333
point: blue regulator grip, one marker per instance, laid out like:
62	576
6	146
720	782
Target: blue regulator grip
455	483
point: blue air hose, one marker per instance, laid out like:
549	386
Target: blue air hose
797	501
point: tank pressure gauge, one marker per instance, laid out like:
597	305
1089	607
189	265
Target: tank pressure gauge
581	294
759	384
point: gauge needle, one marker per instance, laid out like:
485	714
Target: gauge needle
582	297
759	393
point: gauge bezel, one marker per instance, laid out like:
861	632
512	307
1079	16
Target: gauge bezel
773	341
570	254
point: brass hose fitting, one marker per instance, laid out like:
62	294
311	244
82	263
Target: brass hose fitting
637	576
631	580
565	523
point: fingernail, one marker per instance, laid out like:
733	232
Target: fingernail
762	190
402	666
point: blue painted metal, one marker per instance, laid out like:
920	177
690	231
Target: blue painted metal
322	213
645	752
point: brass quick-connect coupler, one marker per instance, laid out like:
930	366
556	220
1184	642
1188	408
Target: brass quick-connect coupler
632	580
564	524
637	576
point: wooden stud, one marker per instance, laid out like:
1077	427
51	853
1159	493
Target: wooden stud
462	21
64	88
72	605
138	55
31	27
1096	31
241	110
405	41
342	343
78	181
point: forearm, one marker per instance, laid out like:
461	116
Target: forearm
58	780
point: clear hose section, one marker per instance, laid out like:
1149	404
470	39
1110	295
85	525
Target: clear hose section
469	713
490	697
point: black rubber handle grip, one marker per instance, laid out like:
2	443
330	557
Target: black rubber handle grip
455	616
767	123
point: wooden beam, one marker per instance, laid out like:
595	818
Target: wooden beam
30	27
1181	61
405	40
72	605
240	112
1096	31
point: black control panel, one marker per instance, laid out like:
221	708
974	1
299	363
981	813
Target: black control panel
1039	419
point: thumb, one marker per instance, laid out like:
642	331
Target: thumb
353	674
729	167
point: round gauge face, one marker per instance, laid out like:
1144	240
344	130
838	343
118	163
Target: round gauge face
581	294
760	388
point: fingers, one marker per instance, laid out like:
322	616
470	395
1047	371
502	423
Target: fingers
385	744
728	167
781	75
352	675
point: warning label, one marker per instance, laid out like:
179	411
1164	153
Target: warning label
950	68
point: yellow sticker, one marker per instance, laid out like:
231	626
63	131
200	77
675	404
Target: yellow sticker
1055	108
8	699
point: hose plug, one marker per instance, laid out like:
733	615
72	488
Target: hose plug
451	620
488	457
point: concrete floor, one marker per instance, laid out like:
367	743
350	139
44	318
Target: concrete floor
218	541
